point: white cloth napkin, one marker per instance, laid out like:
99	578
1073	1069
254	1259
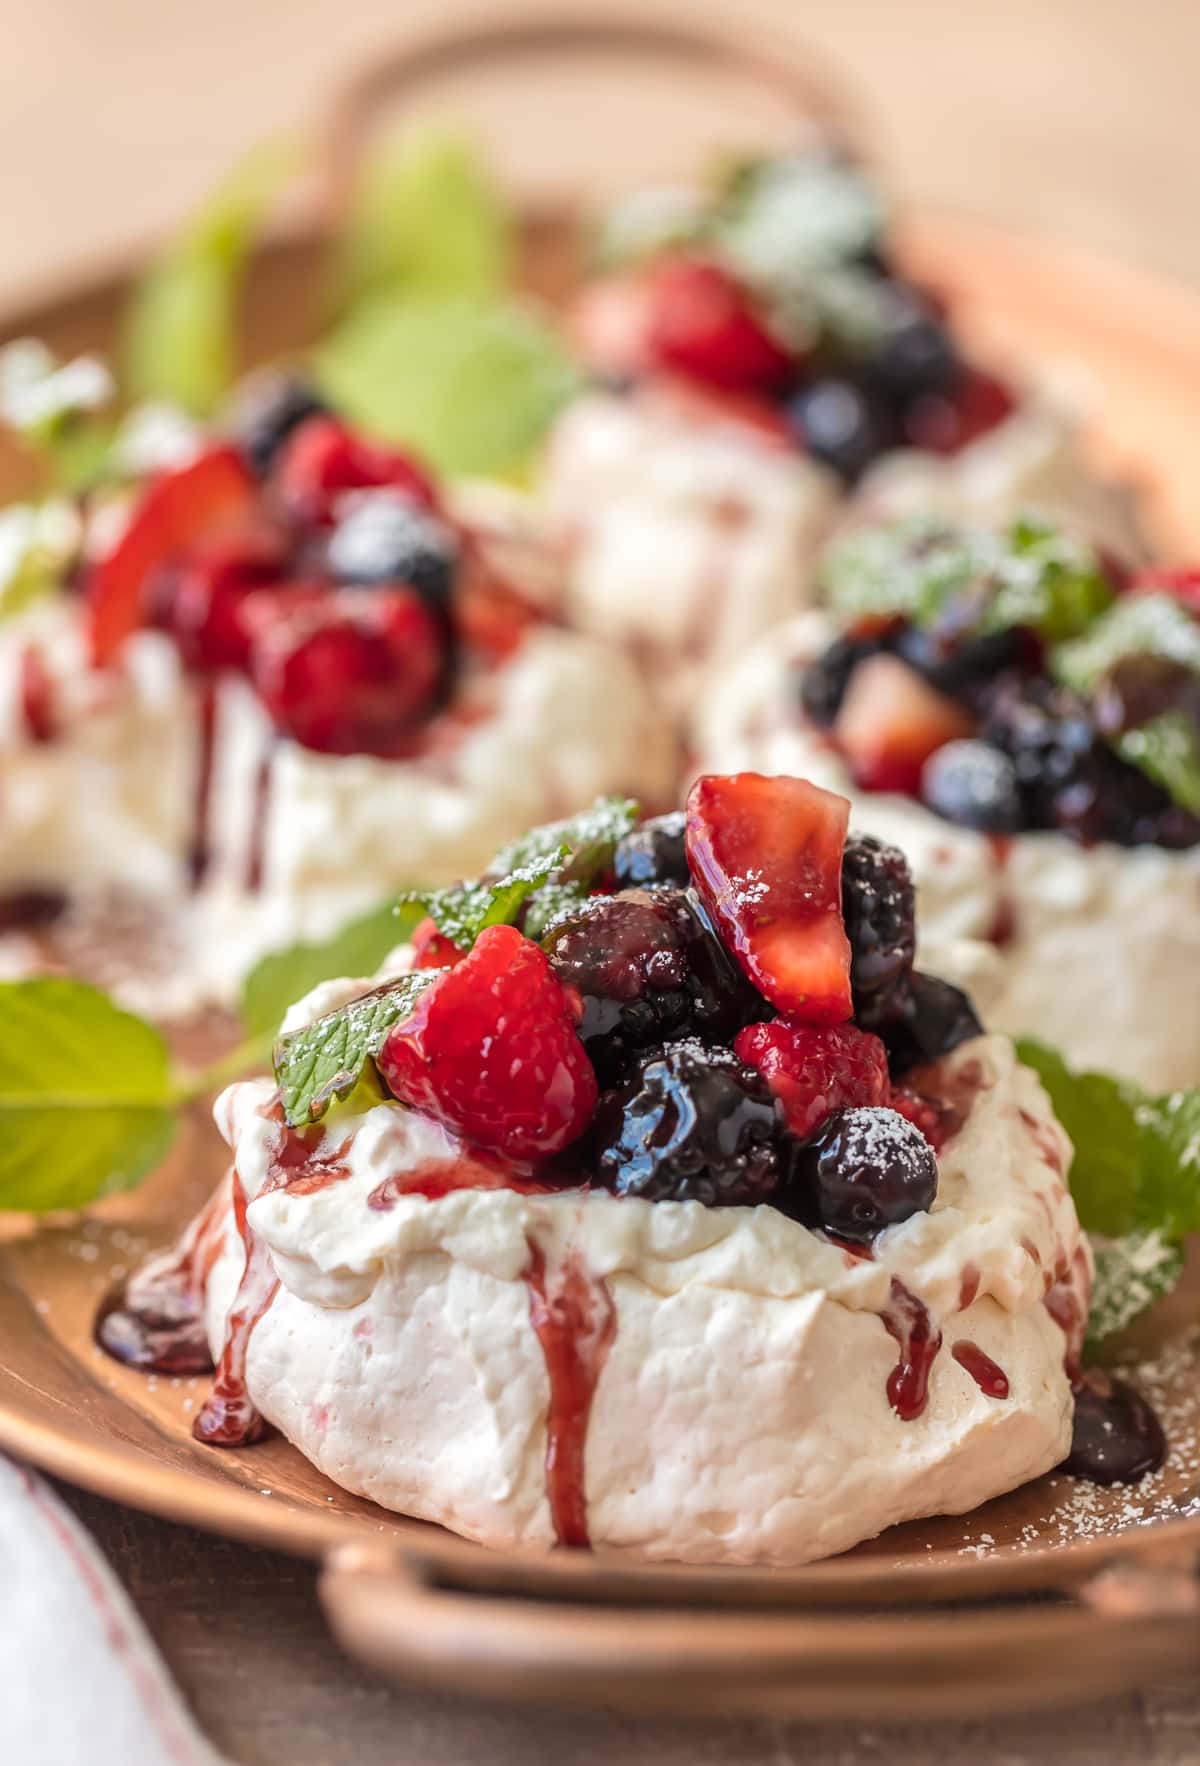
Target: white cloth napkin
80	1680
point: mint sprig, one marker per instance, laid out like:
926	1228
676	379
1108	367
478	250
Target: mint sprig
1135	1180
464	910
591	838
89	1099
324	1062
278	980
983	580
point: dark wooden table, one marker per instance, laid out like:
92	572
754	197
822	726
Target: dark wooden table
242	1632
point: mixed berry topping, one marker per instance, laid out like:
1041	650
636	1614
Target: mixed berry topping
314	562
706	1034
864	1170
691	1123
1013	680
775	292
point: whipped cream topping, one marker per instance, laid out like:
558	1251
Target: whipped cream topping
297	842
747	1406
685	539
102	796
1095	948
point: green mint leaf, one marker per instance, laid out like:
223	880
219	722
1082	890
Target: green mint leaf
1136	625
1169	1189
462	911
59	411
1167	750
425	218
1026	574
1099	1114
181	329
551	904
327	1060
471	384
780	220
1135	1179
1132	1273
278	980
591	838
87	1101
38	545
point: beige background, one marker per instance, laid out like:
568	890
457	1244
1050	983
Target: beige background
1076	115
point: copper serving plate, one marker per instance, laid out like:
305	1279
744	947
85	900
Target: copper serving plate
1057	1592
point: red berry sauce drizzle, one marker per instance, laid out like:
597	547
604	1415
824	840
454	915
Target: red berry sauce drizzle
1003	929
227	1417
575	1320
156	1321
991	1379
907	1320
206	739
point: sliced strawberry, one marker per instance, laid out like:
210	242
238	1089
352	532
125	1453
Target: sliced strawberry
323	460
703	322
766	856
212	494
891	720
491	1050
814	1072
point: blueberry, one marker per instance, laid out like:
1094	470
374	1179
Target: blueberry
935	1018
865	1169
386	538
879	911
266	411
975	786
648	966
915	357
691	1124
824	680
654	853
842	426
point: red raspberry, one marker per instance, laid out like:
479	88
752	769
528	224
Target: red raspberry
814	1072
703	323
349	671
201	600
491	1050
432	949
323	459
934	1122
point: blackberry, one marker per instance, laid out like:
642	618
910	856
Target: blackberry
975	786
691	1124
653	853
1068	777
879	911
842	425
823	681
268	408
966	665
648	966
385	538
864	1170
934	1018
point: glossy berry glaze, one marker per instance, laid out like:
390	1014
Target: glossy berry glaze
703	1098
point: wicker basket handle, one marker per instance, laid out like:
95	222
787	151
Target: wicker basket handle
672	34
